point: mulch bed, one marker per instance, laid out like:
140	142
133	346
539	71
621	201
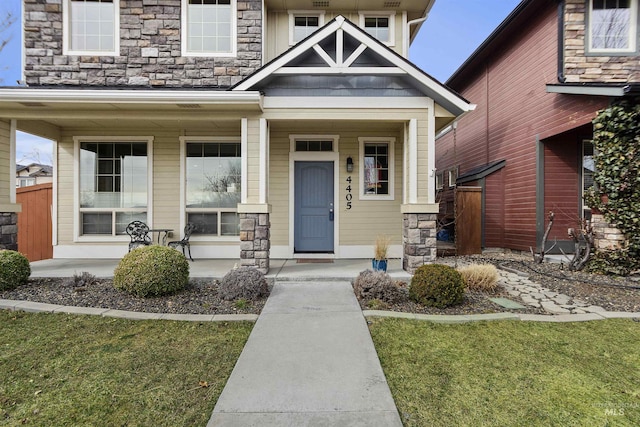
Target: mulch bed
201	295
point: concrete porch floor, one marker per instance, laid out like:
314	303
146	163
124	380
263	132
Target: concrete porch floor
281	269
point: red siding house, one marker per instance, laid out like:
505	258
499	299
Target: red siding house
538	81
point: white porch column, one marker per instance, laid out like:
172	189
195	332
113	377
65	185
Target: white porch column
8	206
253	210
413	161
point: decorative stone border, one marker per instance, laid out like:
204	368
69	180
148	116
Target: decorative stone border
418	240
255	240
9	231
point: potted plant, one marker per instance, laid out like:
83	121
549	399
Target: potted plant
379	261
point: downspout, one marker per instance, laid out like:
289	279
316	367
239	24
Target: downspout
561	77
413	22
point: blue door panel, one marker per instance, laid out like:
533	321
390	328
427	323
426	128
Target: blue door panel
313	228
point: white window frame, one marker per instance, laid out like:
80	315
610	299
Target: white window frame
293	14
453	176
439	180
390	141
392	19
633	28
66	33
184	34
184	140
77	222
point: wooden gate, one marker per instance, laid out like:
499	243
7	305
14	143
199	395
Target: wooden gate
468	220
34	222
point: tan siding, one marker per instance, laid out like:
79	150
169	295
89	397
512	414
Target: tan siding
277	36
166	177
5	162
65	189
367	218
424	180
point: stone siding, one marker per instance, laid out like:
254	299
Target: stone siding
150	50
581	67
9	231
418	240
608	237
255	242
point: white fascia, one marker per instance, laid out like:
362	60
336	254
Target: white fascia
130	96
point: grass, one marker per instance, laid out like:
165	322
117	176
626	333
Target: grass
58	369
512	373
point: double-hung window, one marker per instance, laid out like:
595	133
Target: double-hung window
213	186
303	24
379	26
91	27
209	27
376	168
113	186
612	26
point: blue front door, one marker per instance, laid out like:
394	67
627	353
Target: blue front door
314	215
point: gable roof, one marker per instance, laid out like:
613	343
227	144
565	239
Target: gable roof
344	61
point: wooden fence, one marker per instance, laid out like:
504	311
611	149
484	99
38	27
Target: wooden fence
34	222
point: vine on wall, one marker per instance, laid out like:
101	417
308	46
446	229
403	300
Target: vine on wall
616	141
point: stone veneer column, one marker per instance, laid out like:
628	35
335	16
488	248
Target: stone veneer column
9	231
255	240
418	240
608	237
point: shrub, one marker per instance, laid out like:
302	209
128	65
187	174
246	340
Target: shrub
370	285
82	280
480	277
437	285
243	282
14	269
152	271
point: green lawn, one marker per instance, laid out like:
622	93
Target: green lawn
58	369
512	373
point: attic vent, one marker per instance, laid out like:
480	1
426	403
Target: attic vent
189	105
391	4
33	104
320	3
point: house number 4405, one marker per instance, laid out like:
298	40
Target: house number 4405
349	196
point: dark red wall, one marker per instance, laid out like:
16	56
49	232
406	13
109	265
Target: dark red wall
513	112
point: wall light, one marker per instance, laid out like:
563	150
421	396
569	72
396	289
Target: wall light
349	164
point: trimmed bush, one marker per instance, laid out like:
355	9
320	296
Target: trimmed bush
243	282
378	285
152	271
437	285
14	269
480	277
82	280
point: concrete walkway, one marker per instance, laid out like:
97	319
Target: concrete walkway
309	361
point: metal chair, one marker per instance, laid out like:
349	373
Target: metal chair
184	243
139	233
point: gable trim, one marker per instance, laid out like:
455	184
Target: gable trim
449	99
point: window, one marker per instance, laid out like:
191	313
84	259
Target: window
212	187
91	27
113	186
612	25
588	169
376	168
302	24
209	27
453	176
314	145
379	26
25	182
439	180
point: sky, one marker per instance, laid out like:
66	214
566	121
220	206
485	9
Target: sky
452	32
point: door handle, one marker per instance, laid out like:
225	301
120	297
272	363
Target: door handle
330	214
